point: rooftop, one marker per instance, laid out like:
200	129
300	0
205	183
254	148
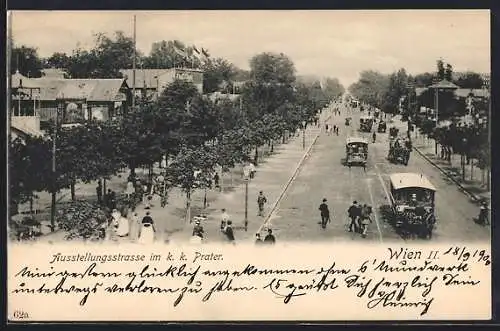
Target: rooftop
409	179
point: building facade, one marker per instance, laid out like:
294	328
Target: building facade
150	83
38	101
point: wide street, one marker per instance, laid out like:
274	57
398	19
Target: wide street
324	176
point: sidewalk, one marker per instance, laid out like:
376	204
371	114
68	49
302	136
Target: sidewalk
272	176
272	172
473	186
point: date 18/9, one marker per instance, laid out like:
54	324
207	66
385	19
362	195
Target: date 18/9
464	254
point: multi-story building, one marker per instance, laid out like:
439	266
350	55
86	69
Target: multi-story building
151	83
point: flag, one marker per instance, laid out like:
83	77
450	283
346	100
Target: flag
205	53
196	50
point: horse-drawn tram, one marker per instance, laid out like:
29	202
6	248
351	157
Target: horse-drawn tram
356	151
412	205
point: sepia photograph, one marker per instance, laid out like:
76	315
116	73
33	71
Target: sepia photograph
141	141
172	126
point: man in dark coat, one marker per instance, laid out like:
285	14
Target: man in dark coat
354	213
270	239
228	231
325	214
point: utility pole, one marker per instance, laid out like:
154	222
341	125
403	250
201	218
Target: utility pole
133	66
9	64
437	119
60	107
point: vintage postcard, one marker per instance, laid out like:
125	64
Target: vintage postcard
249	165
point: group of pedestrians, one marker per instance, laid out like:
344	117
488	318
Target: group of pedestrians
360	216
119	225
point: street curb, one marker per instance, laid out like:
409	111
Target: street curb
471	195
289	182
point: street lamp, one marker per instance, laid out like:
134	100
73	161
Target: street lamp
464	144
303	134
246	175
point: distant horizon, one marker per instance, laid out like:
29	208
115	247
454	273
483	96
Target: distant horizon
336	44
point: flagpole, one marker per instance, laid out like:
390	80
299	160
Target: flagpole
133	66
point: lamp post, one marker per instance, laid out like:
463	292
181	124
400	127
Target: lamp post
464	144
304	135
246	175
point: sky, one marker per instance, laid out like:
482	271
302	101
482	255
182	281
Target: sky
323	43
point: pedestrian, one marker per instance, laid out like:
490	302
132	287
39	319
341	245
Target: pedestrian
326	128
261	201
130	189
224	220
198	229
134	226
147	231
251	166
325	213
366	212
228	231
334	128
216	180
269	239
337	131
354	212
258	239
112	199
99	192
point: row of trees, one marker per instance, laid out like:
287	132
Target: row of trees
198	134
385	91
397	91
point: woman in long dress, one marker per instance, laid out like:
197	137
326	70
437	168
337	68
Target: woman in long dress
123	226
135	227
147	232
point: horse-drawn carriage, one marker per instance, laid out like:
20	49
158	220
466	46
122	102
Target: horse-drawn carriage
393	133
382	127
399	151
366	123
412	205
356	151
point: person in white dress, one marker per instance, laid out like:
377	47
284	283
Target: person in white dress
130	189
135	226
147	232
122	226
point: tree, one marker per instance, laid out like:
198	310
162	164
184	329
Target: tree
448	72
272	68
83	64
370	88
104	60
113	54
190	169
396	89
218	73
423	80
58	60
470	80
26	60
440	69
29	169
333	88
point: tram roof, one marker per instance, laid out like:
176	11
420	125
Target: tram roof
354	140
409	179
